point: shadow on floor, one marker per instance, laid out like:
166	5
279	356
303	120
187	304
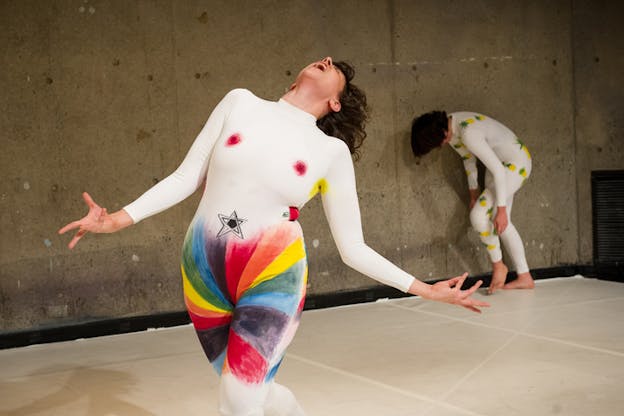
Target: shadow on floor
102	389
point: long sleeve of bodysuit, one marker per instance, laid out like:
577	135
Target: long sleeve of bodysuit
470	164
474	139
341	206
190	174
279	133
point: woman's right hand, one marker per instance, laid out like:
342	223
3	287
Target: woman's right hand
449	291
97	220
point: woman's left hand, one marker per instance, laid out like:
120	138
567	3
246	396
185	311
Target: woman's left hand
449	291
500	221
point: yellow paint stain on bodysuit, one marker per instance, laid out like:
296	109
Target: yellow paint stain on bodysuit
320	186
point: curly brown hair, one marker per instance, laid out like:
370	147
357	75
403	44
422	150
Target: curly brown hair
348	124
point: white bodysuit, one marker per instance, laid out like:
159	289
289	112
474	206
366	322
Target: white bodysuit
508	164
244	264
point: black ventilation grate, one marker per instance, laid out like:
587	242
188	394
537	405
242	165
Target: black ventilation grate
608	217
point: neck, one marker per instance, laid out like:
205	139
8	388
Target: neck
306	101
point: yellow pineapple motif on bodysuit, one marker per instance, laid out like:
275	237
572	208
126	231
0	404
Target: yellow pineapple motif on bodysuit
465	154
509	166
469	121
466	122
524	148
517	167
459	146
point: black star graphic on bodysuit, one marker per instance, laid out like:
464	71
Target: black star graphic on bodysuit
231	224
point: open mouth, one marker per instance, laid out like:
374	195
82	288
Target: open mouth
320	65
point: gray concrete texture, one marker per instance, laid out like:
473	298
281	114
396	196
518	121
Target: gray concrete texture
107	96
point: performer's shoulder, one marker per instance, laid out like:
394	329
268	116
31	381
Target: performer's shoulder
240	93
336	147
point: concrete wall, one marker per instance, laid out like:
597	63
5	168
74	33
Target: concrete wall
107	96
599	101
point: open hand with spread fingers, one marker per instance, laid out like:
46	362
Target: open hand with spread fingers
97	220
449	291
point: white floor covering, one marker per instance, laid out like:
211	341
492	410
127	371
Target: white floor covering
555	350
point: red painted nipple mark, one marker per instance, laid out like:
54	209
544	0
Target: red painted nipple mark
233	140
300	168
294	213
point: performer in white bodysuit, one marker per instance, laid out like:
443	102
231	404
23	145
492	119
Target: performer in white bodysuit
244	264
508	162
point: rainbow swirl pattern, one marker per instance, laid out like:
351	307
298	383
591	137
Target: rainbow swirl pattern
245	297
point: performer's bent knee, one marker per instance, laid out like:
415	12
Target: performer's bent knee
479	219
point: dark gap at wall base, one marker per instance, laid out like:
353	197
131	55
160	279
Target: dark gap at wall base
611	272
162	320
381	292
93	329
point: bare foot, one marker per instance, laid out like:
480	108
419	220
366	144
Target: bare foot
499	274
524	281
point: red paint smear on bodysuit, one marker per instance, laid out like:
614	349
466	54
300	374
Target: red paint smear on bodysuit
208	322
244	361
237	256
233	140
300	168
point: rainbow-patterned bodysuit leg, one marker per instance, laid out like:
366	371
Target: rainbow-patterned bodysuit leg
245	296
244	263
508	164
